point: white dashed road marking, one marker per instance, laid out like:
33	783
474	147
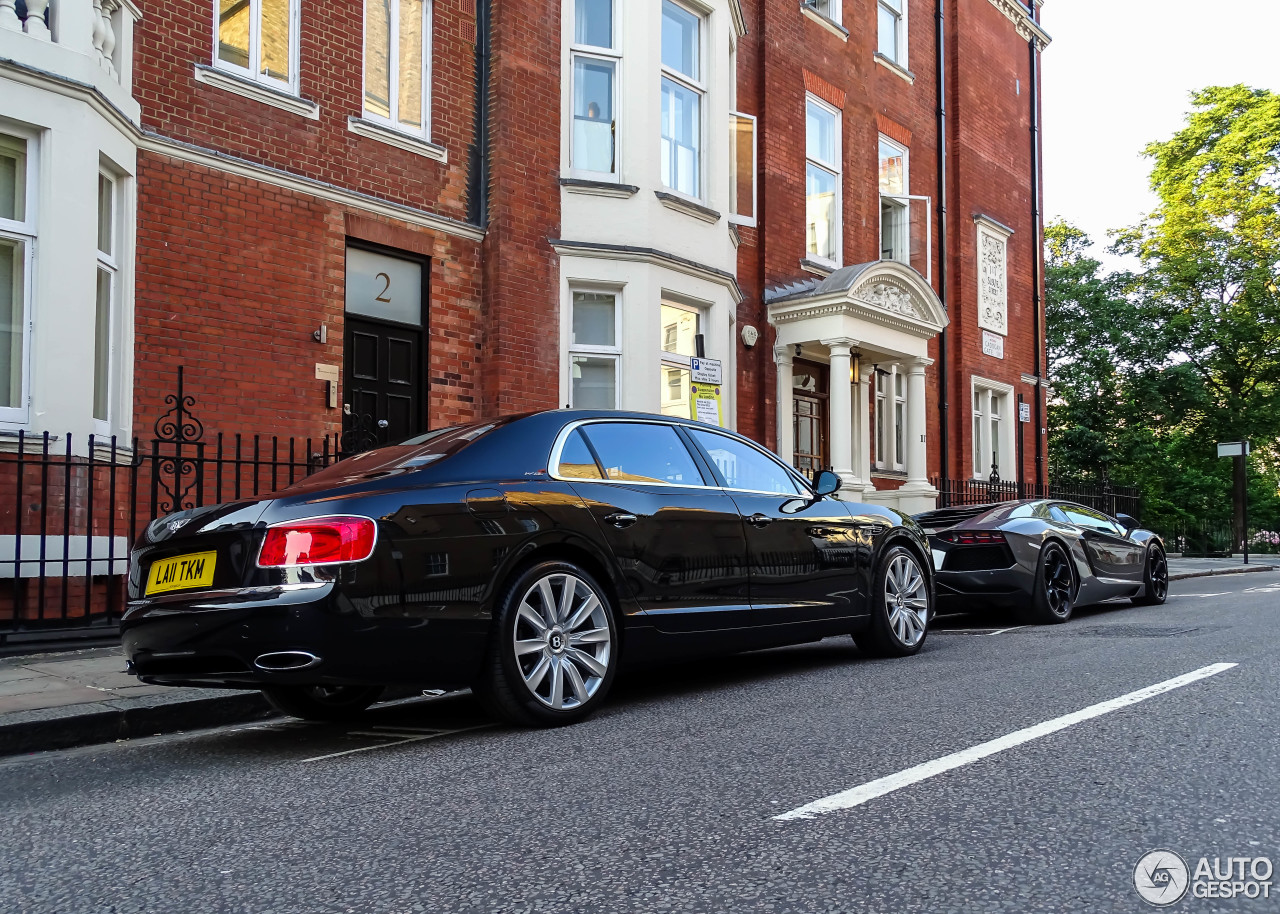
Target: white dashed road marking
856	796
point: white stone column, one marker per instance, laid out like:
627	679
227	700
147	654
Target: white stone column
916	493
841	402
785	407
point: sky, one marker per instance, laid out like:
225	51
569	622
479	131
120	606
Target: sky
1118	76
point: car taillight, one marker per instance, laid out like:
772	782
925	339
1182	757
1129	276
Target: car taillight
973	537
318	541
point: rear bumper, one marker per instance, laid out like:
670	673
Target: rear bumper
215	639
1003	587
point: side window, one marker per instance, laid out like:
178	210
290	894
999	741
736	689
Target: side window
576	461
643	452
743	467
1087	517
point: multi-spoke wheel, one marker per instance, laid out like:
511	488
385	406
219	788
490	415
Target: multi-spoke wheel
556	648
322	702
900	606
1055	590
1155	579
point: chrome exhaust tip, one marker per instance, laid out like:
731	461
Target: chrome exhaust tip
285	661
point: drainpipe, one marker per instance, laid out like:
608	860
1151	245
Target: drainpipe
1036	245
944	404
478	154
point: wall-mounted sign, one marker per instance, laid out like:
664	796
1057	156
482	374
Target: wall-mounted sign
992	344
707	371
1024	412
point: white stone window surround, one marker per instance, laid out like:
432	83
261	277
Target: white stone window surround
993	425
836	170
992	260
392	122
22	233
575	348
612	55
892	12
698	85
891	417
106	355
252	73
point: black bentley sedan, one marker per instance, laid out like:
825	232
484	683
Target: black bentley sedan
525	557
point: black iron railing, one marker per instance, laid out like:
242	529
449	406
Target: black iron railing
1103	496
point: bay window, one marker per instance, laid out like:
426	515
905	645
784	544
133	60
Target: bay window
594	350
822	182
680	328
593	142
397	64
682	96
17	244
258	39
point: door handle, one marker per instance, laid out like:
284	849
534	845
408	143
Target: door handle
759	520
622	520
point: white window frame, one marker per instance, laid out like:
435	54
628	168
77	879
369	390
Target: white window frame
834	12
613	55
888	428
668	359
733	174
613	352
984	391
26	233
900	52
392	122
833	168
253	73
698	87
108	261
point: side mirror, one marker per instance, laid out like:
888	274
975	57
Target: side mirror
1128	522
826	483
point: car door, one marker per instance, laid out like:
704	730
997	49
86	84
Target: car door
1116	560
803	552
676	537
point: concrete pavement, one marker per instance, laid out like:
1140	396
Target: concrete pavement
77	698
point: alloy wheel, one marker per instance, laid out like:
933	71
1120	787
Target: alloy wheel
1159	573
562	640
906	596
1057	581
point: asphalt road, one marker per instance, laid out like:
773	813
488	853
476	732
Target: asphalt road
666	801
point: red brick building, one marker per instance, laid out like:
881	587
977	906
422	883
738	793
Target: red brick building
422	213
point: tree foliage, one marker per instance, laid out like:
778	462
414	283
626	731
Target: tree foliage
1150	369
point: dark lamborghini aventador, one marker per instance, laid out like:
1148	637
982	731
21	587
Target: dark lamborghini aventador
525	557
1042	558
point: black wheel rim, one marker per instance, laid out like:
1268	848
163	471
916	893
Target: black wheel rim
1057	581
1159	572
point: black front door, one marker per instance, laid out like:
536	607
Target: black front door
383	387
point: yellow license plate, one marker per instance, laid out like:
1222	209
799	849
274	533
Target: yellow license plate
181	572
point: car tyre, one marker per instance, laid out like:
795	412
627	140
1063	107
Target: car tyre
322	703
553	652
1053	600
901	606
1155	579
